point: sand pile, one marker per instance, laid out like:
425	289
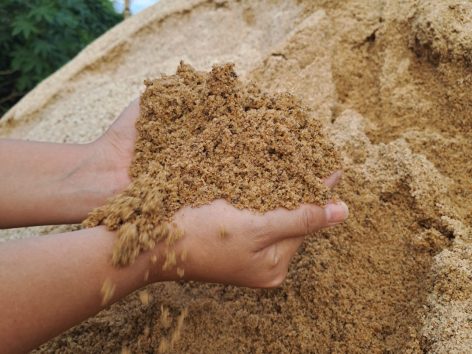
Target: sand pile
392	82
203	137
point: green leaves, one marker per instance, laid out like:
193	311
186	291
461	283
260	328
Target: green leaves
38	36
24	27
42	48
44	12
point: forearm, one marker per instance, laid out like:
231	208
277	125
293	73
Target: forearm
47	183
53	282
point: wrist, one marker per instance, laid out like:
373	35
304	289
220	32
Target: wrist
160	269
108	166
92	179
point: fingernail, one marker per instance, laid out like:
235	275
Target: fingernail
336	212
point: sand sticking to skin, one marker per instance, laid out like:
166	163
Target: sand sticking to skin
205	136
392	82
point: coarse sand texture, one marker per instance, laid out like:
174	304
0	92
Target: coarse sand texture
391	84
203	137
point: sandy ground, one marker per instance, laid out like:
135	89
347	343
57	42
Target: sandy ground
392	81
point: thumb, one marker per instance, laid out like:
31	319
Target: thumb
308	218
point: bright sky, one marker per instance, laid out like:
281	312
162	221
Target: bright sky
136	5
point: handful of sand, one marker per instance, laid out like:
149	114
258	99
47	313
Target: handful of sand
206	136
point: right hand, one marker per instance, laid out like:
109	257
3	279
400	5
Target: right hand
232	246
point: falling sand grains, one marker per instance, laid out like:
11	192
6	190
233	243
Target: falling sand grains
166	344
165	318
144	297
171	260
222	232
163	346
107	291
180	272
206	136
178	328
125	350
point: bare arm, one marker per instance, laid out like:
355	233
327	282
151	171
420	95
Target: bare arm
47	183
53	282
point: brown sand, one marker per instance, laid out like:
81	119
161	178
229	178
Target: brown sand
203	137
392	81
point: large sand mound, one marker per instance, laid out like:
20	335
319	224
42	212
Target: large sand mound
393	82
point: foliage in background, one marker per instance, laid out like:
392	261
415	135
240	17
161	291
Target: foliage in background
38	36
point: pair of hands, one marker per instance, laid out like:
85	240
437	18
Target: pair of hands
47	183
256	248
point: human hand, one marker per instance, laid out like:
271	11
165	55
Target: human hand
227	245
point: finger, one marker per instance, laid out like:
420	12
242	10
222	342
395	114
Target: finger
334	179
282	223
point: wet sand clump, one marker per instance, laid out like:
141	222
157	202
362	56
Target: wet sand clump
206	136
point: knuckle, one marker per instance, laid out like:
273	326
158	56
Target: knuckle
308	220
